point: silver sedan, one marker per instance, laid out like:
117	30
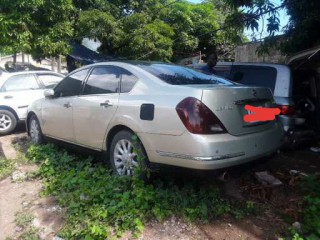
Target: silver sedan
180	116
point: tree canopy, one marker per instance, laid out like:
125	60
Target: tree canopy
146	29
40	27
300	33
150	29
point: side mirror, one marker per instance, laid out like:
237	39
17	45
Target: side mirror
49	93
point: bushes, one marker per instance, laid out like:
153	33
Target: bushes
100	205
311	210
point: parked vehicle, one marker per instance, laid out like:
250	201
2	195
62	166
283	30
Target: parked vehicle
181	116
17	91
279	79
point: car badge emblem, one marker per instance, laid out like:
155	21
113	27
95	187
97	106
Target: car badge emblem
254	93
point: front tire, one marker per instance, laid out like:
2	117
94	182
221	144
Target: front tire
126	154
8	122
35	130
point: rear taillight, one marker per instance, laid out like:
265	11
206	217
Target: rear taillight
287	110
198	118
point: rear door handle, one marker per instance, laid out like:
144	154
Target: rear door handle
8	97
106	104
67	105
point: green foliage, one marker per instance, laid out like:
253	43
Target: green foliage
100	205
40	27
153	30
311	210
23	219
302	31
6	167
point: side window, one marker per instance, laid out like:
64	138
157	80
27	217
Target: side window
49	80
103	80
255	76
20	82
128	80
71	85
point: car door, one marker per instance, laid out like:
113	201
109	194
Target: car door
56	112
19	91
95	107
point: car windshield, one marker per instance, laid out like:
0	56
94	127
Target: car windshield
178	75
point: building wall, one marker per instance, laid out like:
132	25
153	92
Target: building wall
248	53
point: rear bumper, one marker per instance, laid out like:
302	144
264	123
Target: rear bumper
211	151
300	136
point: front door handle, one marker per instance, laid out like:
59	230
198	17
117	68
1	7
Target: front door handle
8	97
106	104
67	105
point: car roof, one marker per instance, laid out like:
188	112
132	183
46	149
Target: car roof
5	75
275	65
32	72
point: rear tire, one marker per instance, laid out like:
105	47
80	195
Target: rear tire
126	154
35	130
8	122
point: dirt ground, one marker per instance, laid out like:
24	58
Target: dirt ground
273	202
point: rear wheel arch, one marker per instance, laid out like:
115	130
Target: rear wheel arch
114	130
2	107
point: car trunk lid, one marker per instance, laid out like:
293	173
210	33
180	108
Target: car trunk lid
228	104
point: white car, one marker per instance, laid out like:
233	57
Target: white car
18	90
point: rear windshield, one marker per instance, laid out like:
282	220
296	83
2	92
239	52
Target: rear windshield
178	75
254	75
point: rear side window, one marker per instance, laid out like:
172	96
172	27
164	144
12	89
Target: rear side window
223	71
178	75
49	80
103	80
20	82
255	76
128	80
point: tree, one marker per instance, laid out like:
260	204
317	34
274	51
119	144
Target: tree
135	29
155	30
40	27
301	32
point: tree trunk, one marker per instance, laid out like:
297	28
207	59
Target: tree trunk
14	58
52	63
59	64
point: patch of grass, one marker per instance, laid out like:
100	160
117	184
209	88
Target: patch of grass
310	214
30	234
6	167
23	219
100	205
311	209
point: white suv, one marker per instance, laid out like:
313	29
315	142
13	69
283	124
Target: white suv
18	90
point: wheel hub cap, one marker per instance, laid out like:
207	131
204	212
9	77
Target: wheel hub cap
124	158
5	122
34	130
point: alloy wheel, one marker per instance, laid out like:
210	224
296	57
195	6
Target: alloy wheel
5	122
124	158
34	130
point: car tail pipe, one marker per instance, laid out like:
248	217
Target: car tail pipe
224	177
